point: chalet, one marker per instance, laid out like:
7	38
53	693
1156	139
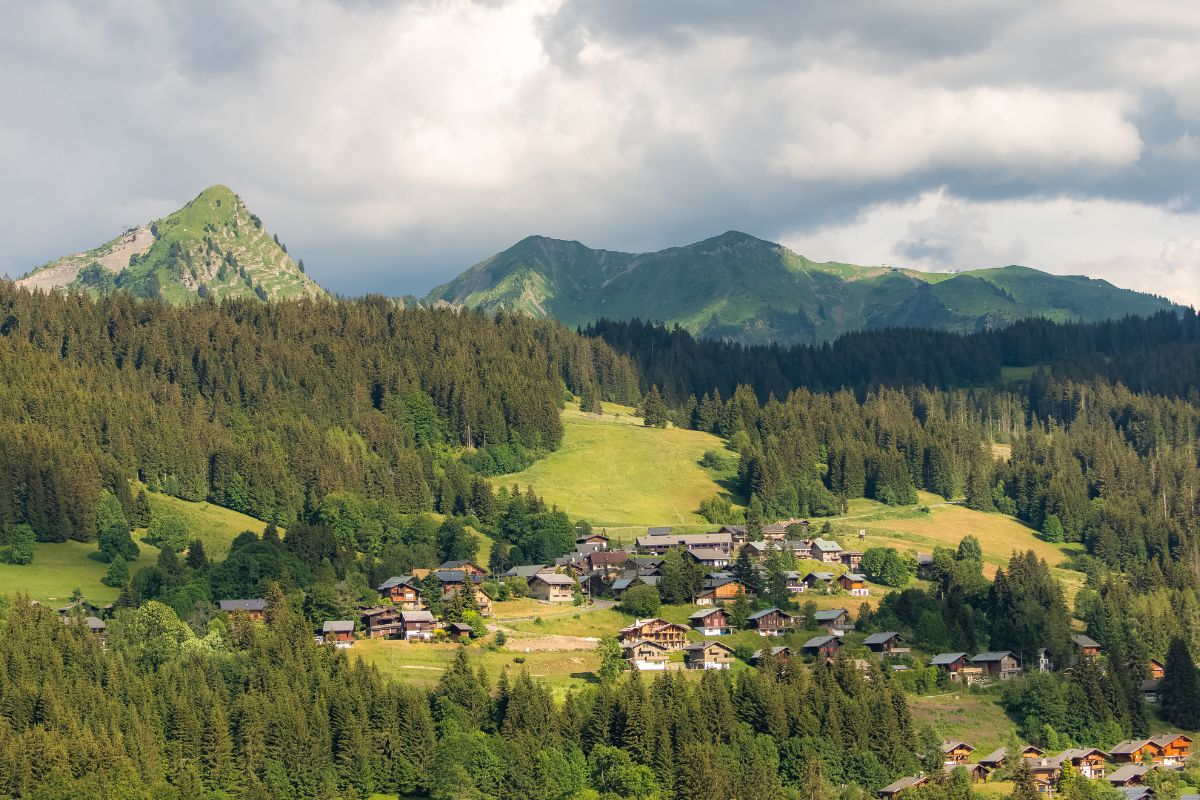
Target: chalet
977	772
417	625
526	571
644	654
1157	669
799	548
835	620
668	635
854	584
469	567
956	752
452	579
593	538
459	630
660	544
738	532
711	622
775	531
1088	762
1166	750
607	561
1085	646
552	587
819	580
782	653
1146	793
924	566
771	622
822	646
953	663
647	565
998	758
339	631
659	531
794	582
255	609
1149	689
885	642
587	548
852	559
707	654
826	551
895	788
95	626
721	590
1128	775
403	590
382	622
710	556
1002	665
621	585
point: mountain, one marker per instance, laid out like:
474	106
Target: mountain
212	247
738	287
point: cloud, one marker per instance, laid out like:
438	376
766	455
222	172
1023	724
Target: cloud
391	144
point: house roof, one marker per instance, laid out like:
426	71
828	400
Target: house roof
820	576
608	557
459	627
924	559
955	744
243	605
525	571
1162	740
1144	793
416	616
706	613
709	554
338	626
765	612
820	641
991	656
995	757
825	545
620	584
650	580
459	565
641	642
854	576
1081	640
904	783
451	575
830	614
944	659
395	580
659	531
881	638
94	623
704	644
686	540
775	651
1127	772
552	578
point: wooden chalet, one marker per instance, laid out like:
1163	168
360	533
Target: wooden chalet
826	551
608	561
954	663
819	580
1166	750
1157	669
381	622
897	787
417	625
593	538
1085	646
852	559
1088	762
1149	689
96	626
669	635
1001	665
458	630
469	567
999	757
771	622
707	654
254	609
721	590
738	532
526	571
403	590
827	646
854	584
711	622
977	772
886	642
1128	775
339	631
924	565
552	587
955	751
645	655
781	654
834	620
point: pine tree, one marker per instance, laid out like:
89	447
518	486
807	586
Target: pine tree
654	410
1180	690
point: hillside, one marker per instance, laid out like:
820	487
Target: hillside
739	287
212	247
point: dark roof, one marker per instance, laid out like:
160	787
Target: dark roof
995	757
524	571
243	605
904	783
954	744
942	659
459	627
451	575
775	651
709	554
765	612
706	613
95	623
1127	772
1080	640
458	565
338	626
622	583
398	580
659	531
552	578
706	643
881	638
416	616
820	641
991	656
830	614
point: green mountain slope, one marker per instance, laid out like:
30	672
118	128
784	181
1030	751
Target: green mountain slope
213	246
739	287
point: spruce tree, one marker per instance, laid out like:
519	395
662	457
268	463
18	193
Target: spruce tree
1179	694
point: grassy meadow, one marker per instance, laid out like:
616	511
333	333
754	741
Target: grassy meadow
622	476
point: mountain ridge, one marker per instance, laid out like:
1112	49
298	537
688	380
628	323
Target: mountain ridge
737	286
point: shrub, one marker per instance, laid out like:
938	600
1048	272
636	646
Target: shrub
641	601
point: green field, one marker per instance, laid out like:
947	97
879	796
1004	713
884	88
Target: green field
59	568
976	719
617	474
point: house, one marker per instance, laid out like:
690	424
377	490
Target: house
710	556
852	559
951	662
1128	775
895	788
711	622
417	625
855	584
977	772
620	585
998	758
659	544
255	609
738	532
707	654
593	538
403	590
1166	750
669	635
1149	689
526	571
835	620
552	587
721	590
771	622
452	579
659	531
339	631
644	654
1085	646
924	566
607	561
469	567
885	642
819	580
1146	793
822	646
782	653
459	630
955	751
1157	669
1044	662
382	622
1002	665
647	565
95	626
1088	762
826	551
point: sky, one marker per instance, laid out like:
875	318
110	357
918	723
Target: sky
393	144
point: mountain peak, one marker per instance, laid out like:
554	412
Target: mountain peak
211	247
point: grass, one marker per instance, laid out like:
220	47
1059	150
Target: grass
615	473
976	719
215	526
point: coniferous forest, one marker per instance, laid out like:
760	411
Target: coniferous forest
350	424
